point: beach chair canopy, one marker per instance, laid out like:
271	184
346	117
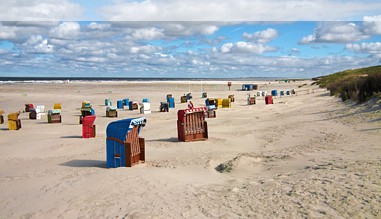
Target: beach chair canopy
2	112
119	129
13	116
54	111
88	120
182	113
111	108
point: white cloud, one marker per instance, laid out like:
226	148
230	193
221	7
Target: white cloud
39	10
66	30
144	49
261	36
373	49
335	32
246	47
7	32
147	34
99	26
372	24
231	10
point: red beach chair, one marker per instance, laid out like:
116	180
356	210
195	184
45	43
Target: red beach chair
191	124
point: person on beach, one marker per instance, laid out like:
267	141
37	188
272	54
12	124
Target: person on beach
190	105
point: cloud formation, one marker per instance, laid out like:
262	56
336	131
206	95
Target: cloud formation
232	10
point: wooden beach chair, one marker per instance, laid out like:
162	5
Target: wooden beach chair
107	102
86	110
28	107
40	110
226	103
57	106
88	127
183	99
32	113
124	147
231	97
54	116
111	111
133	105
269	99
14	123
191	124
1	117
164	107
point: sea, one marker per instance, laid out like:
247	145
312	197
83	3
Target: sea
28	80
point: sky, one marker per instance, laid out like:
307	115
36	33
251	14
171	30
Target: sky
188	38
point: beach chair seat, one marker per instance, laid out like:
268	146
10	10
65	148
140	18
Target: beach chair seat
183	99
32	114
219	102
133	105
251	101
231	97
107	102
211	113
54	116
124	147
189	96
111	111
28	107
145	108
57	106
126	101
210	102
226	103
164	107
120	104
269	99
14	123
191	124
40	110
88	127
1	117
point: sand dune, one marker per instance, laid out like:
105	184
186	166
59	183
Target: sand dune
307	155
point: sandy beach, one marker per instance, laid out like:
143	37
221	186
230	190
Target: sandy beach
305	156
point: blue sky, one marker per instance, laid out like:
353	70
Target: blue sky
167	38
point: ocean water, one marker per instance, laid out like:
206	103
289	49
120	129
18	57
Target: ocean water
26	80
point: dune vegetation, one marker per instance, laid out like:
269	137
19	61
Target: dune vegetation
356	84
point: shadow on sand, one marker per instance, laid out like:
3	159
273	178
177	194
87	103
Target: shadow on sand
85	163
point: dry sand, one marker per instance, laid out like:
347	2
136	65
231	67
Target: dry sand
305	156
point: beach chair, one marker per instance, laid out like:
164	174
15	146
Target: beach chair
32	113
54	116
211	103
288	93
274	93
14	123
281	93
204	95
171	102
124	147
57	106
191	124
250	99
219	102
40	110
111	111
126	101
28	106
231	97
146	108
120	104
189	96
107	102
1	117
88	127
133	105
183	99
211	113
86	110
226	103
269	99
259	93
164	107
145	100
264	93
